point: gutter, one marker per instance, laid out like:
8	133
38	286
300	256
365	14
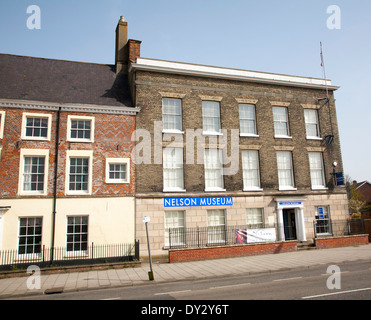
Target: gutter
55	183
229	76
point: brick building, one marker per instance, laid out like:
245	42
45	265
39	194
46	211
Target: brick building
88	150
233	147
66	174
364	190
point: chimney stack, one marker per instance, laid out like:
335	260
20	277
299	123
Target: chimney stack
127	51
122	52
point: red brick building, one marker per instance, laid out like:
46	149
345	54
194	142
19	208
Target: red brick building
66	174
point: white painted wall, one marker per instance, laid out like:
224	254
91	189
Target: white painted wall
111	220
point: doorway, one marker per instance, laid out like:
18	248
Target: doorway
289	224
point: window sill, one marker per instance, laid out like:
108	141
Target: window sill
169	131
214	189
287	189
211	133
251	135
36	138
282	137
174	190
80	140
314	138
319	188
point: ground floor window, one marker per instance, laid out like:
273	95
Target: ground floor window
323	225
77	234
254	218
30	234
216	226
174	228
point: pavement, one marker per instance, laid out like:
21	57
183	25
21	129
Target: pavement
195	270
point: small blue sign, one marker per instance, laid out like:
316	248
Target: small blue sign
198	202
290	203
339	179
320	212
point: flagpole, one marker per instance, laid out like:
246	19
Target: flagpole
324	71
329	139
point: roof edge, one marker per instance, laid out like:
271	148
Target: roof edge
230	73
50	106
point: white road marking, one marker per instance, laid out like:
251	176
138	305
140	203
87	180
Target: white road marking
231	286
284	279
172	292
335	293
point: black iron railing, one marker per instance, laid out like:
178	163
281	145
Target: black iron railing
58	256
338	228
212	236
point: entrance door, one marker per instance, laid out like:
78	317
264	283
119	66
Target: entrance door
289	224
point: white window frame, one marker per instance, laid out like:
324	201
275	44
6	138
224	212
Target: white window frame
286	121
328	218
316	123
80	118
247	168
175	167
218	165
317	169
79	154
211	234
36	115
180	224
29	255
247	134
33	153
291	171
2	124
124	161
77	252
172	130
255	217
215	131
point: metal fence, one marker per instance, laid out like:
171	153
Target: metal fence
222	236
210	236
337	228
94	254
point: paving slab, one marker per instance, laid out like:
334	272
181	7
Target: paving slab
18	286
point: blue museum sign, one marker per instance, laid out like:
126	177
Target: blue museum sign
198	202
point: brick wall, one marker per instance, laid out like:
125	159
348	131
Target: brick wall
111	140
346	241
152	87
232	251
134	50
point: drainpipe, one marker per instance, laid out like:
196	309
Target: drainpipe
55	184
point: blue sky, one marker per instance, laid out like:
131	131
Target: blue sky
266	35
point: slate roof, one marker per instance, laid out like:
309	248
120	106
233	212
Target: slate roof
59	81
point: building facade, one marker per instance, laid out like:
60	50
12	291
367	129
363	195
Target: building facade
233	147
90	151
66	174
